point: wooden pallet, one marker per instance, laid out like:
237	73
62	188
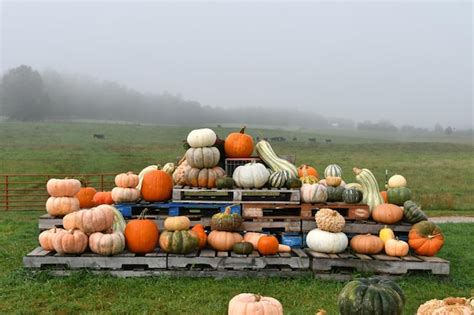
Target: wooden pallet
214	195
272	224
377	264
347	210
360	227
175	208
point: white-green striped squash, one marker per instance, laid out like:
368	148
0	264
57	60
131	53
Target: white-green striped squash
266	153
278	179
333	170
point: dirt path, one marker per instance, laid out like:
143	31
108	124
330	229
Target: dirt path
452	219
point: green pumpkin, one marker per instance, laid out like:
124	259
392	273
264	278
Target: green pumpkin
278	179
293	183
335	193
179	242
412	213
243	248
399	195
352	196
226	221
225	183
371	296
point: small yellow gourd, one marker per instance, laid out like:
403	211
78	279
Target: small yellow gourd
386	234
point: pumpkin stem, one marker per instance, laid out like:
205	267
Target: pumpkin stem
142	214
356	170
243	129
258	297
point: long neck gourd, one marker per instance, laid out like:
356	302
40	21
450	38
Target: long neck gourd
370	187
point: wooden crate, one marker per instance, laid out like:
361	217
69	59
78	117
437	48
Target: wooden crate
347	210
258	210
272	224
214	195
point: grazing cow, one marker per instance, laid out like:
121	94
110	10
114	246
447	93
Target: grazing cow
99	136
295	139
277	139
328	140
312	140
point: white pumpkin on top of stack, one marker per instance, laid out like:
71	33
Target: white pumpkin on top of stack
328	237
126	190
62	200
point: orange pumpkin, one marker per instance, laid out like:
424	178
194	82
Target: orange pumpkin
306	170
222	240
86	197
103	198
238	145
46	238
202	236
383	193
387	213
141	235
205	177
426	238
157	186
268	245
367	244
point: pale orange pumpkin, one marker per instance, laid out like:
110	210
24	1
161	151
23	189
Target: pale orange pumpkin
126	180
107	244
46	238
178	223
179	173
157	186
223	241
205	177
60	206
70	242
238	145
367	244
387	213
253	304
397	248
120	194
63	187
97	219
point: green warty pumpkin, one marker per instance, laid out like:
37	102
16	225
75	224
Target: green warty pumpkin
226	221
243	248
225	182
293	183
335	193
352	196
412	213
398	195
178	242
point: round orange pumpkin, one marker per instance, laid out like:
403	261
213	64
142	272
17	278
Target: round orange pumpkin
157	186
141	235
268	245
103	198
426	238
238	145
86	197
306	170
367	244
201	233
383	193
222	240
387	213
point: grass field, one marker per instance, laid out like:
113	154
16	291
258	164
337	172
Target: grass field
24	292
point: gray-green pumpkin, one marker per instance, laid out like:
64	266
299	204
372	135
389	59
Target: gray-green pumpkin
278	179
242	248
226	221
398	195
412	213
179	242
335	193
352	196
225	182
293	183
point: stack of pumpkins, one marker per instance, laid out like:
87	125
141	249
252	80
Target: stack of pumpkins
178	238
224	225
125	190
63	198
328	236
397	190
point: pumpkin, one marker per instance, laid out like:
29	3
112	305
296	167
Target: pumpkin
352	195
60	206
278	179
310	179
311	193
142	173
412	213
370	187
293	183
447	306
107	244
238	145
205	177
92	220
399	195
226	221
333	170
425	238
386	234
354	186
267	245
242	248
46	238
384	196
326	242
268	156
397	181
223	241
201	234
126	180
225	182
305	170
367	244
333	181
387	213
335	193
156	186
141	235
251	175
253	237
329	220
253	304
120	194
86	197
206	157
199	138
63	187
396	248
70	242
179	173
371	296
103	198
179	242
169	168
178	223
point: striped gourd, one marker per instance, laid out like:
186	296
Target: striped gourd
266	153
333	170
370	187
278	179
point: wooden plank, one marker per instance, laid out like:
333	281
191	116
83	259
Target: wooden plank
299	252
317	254
346	255
410	258
222	254
38	251
433	259
385	257
363	257
207	253
284	254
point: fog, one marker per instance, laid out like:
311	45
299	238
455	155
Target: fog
407	62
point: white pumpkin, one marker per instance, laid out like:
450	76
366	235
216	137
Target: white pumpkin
326	242
397	181
333	170
199	138
107	244
120	194
251	175
311	193
206	157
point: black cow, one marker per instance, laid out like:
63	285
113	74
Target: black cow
99	136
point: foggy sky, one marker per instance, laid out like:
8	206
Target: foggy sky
404	61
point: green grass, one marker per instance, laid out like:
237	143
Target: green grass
25	292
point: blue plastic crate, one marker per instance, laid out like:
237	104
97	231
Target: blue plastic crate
175	208
292	239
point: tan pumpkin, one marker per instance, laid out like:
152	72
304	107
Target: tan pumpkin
46	238
329	220
223	241
60	206
107	244
205	177
396	248
253	304
447	306
367	244
333	181
180	172
206	157
63	187
126	180
387	213
178	223
97	219
70	242
253	237
120	194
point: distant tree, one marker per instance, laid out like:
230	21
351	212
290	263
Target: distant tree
23	96
448	130
438	128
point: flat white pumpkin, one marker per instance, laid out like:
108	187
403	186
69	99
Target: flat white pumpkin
326	242
199	138
251	175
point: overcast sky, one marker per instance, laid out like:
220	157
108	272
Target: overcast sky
410	62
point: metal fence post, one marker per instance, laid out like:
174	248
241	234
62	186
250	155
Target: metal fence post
6	192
